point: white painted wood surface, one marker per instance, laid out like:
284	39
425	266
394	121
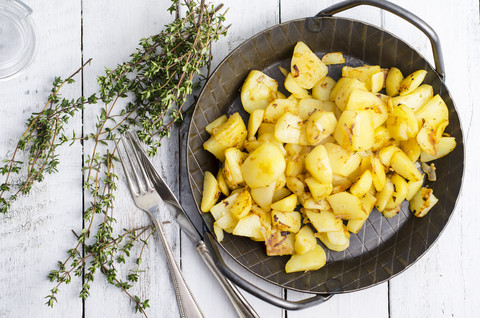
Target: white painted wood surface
444	283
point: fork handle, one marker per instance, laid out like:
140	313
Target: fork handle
187	304
243	308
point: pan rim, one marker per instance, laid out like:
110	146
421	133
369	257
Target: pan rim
457	199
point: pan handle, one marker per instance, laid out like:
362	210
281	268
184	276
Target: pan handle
254	290
402	13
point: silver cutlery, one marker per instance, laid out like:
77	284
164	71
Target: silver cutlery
146	198
242	307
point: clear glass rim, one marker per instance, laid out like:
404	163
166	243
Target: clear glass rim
18	14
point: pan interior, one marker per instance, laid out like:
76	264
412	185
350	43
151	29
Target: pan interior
383	247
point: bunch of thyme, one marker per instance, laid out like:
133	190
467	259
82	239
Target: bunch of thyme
155	84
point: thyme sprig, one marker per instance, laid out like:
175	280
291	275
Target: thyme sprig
147	94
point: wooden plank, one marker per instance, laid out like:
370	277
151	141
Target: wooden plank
36	232
372	302
445	281
111	33
214	302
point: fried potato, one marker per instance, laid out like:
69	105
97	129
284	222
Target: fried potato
306	68
328	158
211	192
310	261
258	91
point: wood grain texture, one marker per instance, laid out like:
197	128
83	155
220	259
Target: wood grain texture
443	283
111	32
213	300
36	233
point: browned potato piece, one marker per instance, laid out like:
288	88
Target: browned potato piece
402	165
444	146
362	100
363	184
342	90
258	91
279	242
306	68
242	205
279	107
422	202
323	88
415	99
254	122
319	126
288	128
263	196
231	133
215	148
393	80
211	192
342	161
355	130
412	81
317	189
287	221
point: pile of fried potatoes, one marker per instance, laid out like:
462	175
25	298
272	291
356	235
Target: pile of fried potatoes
327	155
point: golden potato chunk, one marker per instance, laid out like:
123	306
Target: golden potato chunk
411	82
287	221
263	196
422	202
258	91
216	123
415	99
279	242
286	204
355	130
263	166
342	161
346	206
231	133
444	146
318	164
242	205
319	126
306	68
336	241
305	241
323	88
279	107
324	221
318	190
211	192
333	58
249	226
310	261
392	82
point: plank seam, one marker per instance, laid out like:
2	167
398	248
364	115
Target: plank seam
83	148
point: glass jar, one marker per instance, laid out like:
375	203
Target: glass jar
17	38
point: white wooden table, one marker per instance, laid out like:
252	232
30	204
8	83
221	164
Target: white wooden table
37	232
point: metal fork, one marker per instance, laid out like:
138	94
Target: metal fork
147	199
